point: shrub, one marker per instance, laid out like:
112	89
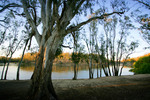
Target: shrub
142	66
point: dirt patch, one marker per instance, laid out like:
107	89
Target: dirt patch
132	87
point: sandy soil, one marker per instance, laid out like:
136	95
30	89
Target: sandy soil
132	87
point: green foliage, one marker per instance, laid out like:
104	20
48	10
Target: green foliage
5	59
75	57
58	51
95	57
85	57
142	66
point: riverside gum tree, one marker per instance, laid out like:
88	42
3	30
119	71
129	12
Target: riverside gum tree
90	43
55	17
11	40
76	55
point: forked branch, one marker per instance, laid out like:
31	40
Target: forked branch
74	28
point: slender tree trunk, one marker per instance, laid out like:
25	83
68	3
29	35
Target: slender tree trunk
3	70
113	67
122	68
77	69
7	67
90	67
92	71
17	77
107	46
34	65
75	72
109	69
100	71
116	71
89	73
124	63
108	62
105	71
102	67
97	71
11	52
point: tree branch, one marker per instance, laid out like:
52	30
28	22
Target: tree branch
144	3
66	46
74	28
55	16
17	13
48	13
2	20
78	6
43	11
67	10
31	22
8	6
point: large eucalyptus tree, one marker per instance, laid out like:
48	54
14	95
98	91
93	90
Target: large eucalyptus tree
54	17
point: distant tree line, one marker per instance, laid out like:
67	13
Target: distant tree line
3	59
28	57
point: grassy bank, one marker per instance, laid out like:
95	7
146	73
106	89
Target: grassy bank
134	87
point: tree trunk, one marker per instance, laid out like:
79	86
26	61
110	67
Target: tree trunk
75	72
116	71
105	71
7	67
100	71
97	71
17	77
113	68
122	67
109	69
3	70
102	67
42	87
90	68
77	69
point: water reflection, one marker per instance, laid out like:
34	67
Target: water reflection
69	68
59	72
27	68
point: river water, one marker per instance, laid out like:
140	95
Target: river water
59	72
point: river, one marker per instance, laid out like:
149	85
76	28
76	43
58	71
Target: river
59	72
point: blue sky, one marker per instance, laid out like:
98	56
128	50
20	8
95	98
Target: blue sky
134	33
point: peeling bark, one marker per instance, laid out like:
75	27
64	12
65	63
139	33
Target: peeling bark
42	87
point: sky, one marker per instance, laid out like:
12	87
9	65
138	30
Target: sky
134	35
